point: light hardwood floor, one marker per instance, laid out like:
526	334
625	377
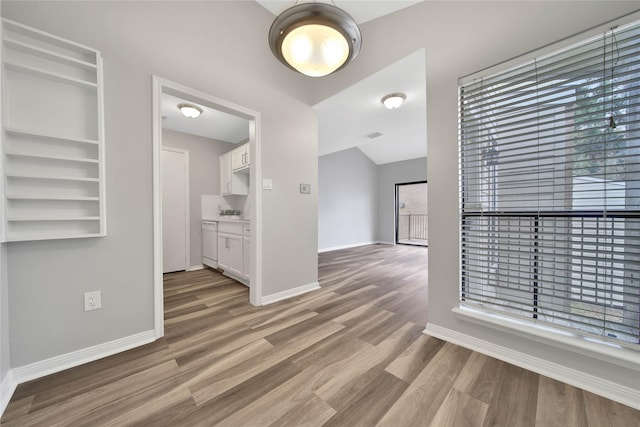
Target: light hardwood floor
350	354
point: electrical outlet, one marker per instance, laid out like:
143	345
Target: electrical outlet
92	301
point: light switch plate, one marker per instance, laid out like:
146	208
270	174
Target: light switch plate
267	184
305	188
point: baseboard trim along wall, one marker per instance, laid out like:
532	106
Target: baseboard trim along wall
622	394
352	245
55	364
196	267
7	388
289	293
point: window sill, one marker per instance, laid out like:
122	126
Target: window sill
591	347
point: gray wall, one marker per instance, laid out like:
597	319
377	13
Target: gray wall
204	178
356	200
347	199
4	316
461	38
189	43
389	175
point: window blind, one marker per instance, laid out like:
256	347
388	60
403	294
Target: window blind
550	188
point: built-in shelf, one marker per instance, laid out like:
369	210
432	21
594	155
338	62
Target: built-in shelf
47	219
46	54
25	133
53	137
52	177
50	197
56	158
48	75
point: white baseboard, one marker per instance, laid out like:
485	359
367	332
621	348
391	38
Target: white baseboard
79	357
7	388
352	245
196	267
614	391
289	293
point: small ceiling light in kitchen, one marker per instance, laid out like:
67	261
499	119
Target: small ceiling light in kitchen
315	39
394	100
190	111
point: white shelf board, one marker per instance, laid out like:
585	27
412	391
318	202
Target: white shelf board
47	74
53	197
51	219
24	132
46	54
53	177
57	158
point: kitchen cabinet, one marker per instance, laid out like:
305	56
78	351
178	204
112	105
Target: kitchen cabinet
240	159
230	182
52	137
231	250
246	252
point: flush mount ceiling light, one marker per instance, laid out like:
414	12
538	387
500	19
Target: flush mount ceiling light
394	100
315	39
190	111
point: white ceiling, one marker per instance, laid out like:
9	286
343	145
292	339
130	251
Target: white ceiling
360	10
347	119
212	123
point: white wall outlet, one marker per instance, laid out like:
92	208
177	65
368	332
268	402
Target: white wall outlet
92	301
305	188
267	184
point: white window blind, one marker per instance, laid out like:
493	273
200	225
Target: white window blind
550	188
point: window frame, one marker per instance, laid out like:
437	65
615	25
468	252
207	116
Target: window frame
545	332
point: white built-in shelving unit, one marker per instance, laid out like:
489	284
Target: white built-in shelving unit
52	137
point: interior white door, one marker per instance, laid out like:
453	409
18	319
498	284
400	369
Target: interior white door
175	210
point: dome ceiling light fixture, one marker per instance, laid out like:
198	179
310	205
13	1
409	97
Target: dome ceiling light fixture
315	39
190	111
393	100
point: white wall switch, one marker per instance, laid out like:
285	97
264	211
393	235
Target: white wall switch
305	188
92	301
267	184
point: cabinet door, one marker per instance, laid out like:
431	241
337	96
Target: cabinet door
230	253
246	268
225	174
236	261
224	255
237	158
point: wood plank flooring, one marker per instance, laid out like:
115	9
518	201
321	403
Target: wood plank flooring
349	354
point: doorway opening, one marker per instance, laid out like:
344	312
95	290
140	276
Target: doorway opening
411	214
162	87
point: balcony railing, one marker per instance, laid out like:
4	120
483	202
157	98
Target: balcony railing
412	228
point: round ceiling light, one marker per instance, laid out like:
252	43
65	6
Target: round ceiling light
393	100
190	111
315	39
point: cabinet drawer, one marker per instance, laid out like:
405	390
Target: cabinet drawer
230	227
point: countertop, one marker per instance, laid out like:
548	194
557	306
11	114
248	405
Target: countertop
222	219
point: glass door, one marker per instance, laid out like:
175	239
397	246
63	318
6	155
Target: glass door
411	214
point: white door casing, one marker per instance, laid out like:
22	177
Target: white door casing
160	86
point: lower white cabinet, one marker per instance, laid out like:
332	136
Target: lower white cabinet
246	240
232	251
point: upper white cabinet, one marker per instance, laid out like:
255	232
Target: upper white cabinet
52	137
240	159
232	182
